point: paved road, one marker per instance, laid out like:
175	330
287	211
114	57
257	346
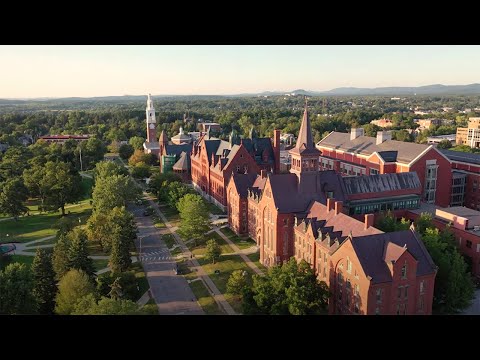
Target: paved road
171	292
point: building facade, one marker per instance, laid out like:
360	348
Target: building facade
213	161
355	154
470	135
302	214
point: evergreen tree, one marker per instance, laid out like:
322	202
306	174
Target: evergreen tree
16	290
60	261
116	290
45	287
78	252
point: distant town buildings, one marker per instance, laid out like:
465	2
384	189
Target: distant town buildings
208	126
470	135
61	139
438	138
424	124
383	123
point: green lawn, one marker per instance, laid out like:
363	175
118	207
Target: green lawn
242	243
100	264
46	242
255	257
141	277
214	209
200	248
10	259
206	301
171	214
35	227
226	265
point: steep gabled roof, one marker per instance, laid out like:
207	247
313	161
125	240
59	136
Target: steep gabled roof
305	144
370	251
183	163
243	182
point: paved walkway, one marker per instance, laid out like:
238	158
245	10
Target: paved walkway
144	299
216	294
239	252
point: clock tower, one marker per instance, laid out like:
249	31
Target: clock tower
151	122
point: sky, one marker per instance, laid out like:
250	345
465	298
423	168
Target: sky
107	70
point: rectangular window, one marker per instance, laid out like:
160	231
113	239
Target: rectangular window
469	244
349	266
374	172
398	309
379	295
377	311
422	286
406	292
399	292
421	303
404	271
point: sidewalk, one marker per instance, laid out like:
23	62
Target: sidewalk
217	295
239	252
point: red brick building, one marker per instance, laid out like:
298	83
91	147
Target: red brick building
213	161
368	272
296	215
356	154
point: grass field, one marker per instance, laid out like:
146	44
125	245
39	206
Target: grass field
226	265
242	243
200	247
255	257
35	227
206	301
10	259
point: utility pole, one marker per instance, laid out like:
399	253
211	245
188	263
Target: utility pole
81	165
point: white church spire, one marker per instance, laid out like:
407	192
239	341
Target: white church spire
151	121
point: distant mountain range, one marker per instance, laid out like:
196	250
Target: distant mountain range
437	89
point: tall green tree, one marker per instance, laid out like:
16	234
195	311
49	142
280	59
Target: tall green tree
113	191
292	288
13	195
141	170
16	290
194	217
78	252
105	306
444	144
60	260
213	251
124	231
125	151
175	191
105	169
136	142
45	288
73	286
237	283
453	284
423	222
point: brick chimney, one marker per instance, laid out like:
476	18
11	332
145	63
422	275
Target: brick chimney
338	207
330	204
356	132
263	173
383	136
276	150
369	220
